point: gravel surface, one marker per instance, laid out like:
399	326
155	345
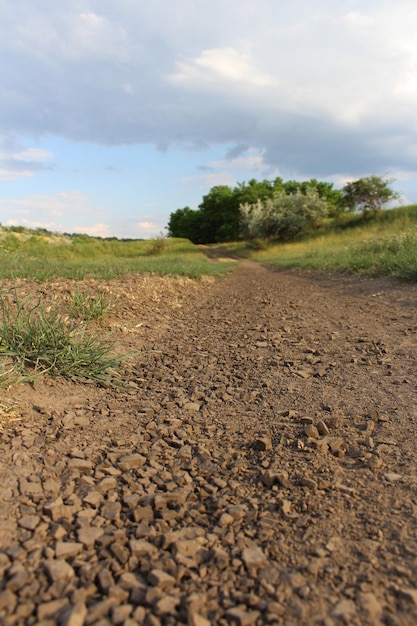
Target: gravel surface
259	469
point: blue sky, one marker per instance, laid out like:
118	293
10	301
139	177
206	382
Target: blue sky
114	113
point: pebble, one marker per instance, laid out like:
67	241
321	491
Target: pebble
59	570
253	557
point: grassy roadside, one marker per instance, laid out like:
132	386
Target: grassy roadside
43	258
380	247
62	340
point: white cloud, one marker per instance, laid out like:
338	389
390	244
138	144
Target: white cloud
10	174
96	230
220	66
55	211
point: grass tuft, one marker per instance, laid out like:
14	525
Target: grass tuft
87	307
36	340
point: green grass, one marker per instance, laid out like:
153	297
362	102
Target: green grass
378	247
76	258
87	307
37	340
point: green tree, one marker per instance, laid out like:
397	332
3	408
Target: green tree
369	195
185	223
219	215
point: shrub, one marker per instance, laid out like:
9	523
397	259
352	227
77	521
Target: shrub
284	216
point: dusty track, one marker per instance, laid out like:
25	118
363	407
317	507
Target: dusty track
261	469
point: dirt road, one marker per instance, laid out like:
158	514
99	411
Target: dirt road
260	469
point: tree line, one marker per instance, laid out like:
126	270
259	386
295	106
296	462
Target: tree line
275	209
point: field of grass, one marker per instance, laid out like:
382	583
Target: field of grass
377	247
42	257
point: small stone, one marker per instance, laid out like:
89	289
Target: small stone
143	513
141	547
323	428
121	613
262	444
131	461
335	443
99	610
268	478
191	407
111	510
162	580
8	601
18	580
236	511
51	610
253	558
335	544
120	552
89	535
392	477
374	463
284	506
303	374
241	617
186	547
311	431
58	570
129	581
94	498
82	465
106	484
167	605
308	482
29	522
225	520
31	489
65	549
105	580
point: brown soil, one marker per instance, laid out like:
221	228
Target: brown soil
259	469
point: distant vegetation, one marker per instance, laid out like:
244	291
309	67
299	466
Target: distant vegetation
276	210
43	255
218	217
348	243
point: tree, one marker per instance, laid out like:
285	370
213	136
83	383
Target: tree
219	215
185	223
369	195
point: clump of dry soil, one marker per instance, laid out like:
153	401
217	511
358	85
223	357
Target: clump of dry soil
259	469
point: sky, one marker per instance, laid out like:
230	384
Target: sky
115	113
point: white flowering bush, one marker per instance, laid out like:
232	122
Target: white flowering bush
283	216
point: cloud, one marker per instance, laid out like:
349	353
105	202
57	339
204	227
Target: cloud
55	211
96	230
317	87
218	66
17	161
